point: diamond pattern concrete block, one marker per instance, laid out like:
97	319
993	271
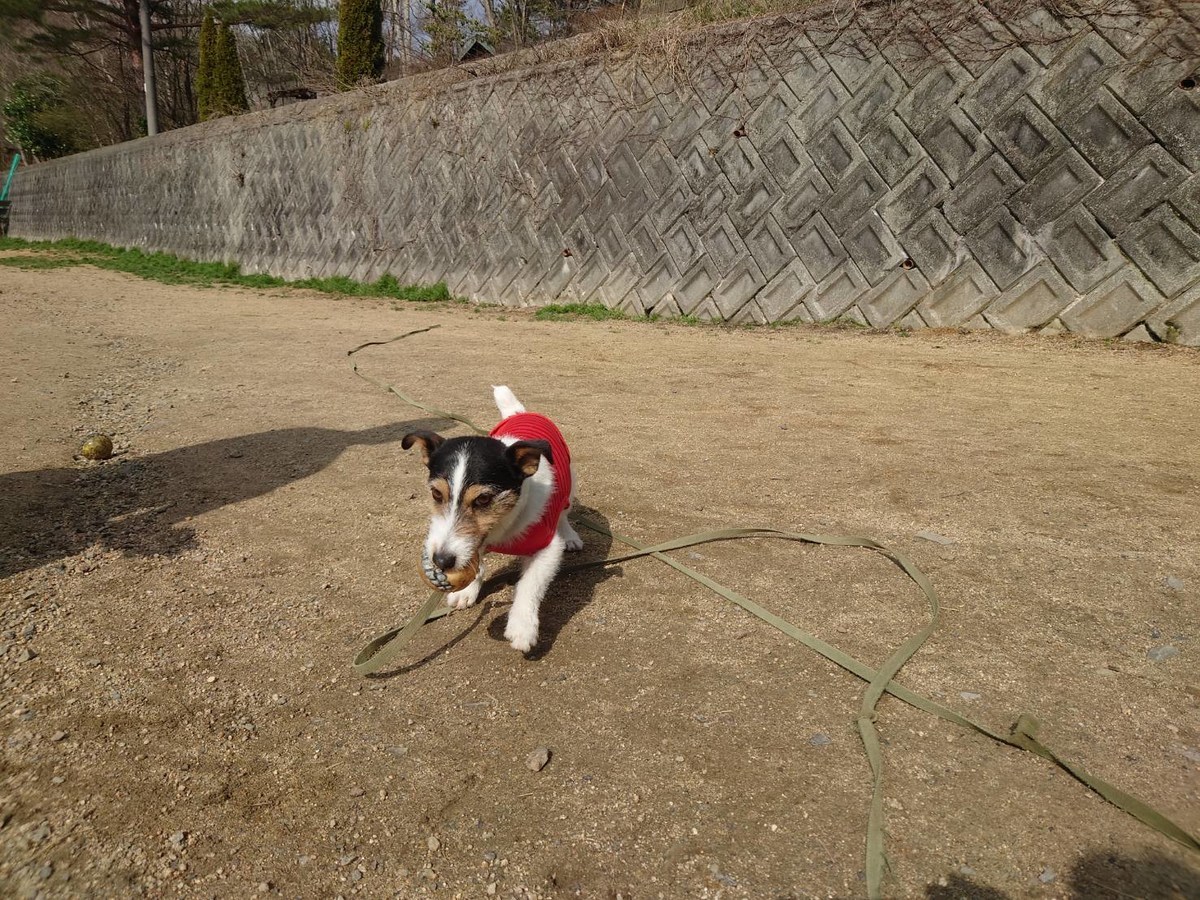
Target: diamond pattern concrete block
695	286
1178	322
919	192
724	244
1166	58
818	248
893	298
1082	250
1000	85
740	162
770	247
750	314
805	197
1032	302
835	152
1114	306
1106	133
1054	190
933	96
860	190
892	149
1003	248
873	248
660	276
988	186
784	155
754	201
835	293
873	101
1138	187
933	245
1175	121
819	107
683	244
1077	73
699	165
955	144
772	114
781	297
1166	248
1026	137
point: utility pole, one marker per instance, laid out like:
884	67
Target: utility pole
148	71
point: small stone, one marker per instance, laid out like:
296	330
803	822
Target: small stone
58	736
46	871
347	859
1163	653
57	779
398	751
1191	753
29	630
264	887
356	876
536	761
491	888
970	696
433	843
820	740
356	792
27	655
489	855
966	870
211	679
179	840
935	538
1173	583
1047	876
304	860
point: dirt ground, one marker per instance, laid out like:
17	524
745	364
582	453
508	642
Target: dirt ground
177	708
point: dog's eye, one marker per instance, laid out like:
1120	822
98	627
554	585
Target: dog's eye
437	495
483	501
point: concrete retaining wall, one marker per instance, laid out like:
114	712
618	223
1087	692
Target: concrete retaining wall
1032	173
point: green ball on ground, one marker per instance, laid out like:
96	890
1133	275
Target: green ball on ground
98	446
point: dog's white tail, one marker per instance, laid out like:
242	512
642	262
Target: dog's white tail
506	401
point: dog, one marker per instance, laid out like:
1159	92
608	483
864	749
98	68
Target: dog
506	493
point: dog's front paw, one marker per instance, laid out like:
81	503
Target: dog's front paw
464	598
522	635
573	542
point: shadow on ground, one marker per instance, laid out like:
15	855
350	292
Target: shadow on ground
1098	875
142	506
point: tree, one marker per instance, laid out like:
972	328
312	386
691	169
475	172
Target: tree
207	59
360	43
37	119
227	87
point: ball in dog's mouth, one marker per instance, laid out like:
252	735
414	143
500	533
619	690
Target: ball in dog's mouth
452	579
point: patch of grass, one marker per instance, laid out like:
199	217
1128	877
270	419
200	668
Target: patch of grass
170	269
557	312
38	262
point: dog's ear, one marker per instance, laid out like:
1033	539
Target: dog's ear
428	441
526	455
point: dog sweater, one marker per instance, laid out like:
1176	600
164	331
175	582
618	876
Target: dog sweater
529	426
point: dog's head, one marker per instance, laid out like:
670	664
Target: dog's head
474	485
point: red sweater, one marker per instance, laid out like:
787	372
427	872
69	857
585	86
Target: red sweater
529	426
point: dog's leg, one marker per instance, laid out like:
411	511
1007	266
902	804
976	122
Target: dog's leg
506	401
571	539
468	595
539	571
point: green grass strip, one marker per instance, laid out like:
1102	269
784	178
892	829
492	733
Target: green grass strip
170	269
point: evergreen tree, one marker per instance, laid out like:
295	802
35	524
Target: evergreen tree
228	84
204	73
360	43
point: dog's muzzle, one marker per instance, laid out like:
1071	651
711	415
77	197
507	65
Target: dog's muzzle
435	575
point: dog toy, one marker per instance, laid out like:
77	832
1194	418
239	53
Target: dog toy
97	446
454	580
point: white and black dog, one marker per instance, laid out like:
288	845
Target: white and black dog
506	493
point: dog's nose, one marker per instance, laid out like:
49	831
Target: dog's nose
443	560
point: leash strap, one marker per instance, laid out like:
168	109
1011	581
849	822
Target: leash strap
381	652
